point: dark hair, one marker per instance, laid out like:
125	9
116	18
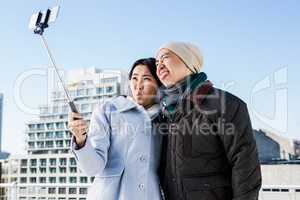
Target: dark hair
150	63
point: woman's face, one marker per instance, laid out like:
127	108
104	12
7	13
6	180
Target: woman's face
170	68
143	86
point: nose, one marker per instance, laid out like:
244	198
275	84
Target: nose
159	65
139	85
159	62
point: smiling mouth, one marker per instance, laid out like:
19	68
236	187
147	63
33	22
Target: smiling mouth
163	73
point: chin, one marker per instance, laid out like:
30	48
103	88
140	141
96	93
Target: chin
167	83
140	102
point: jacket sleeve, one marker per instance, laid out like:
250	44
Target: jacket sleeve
241	150
92	157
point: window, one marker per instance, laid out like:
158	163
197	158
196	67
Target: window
32	179
33	170
42	179
23	179
23	162
62	180
73	169
31	136
40	126
92	179
50	126
59	143
72	191
99	90
43	162
43	170
40	145
82	190
89	91
61	190
72	179
31	145
59	125
13	179
83	179
109	89
49	135
52	161
52	170
62	170
68	134
68	143
40	135
51	190
49	144
63	161
72	161
80	92
23	171
52	179
31	127
33	162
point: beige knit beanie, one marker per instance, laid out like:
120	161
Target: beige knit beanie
189	54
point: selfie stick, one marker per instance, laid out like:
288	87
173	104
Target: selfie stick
39	22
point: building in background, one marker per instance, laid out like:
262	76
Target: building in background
3	154
273	147
49	171
1	115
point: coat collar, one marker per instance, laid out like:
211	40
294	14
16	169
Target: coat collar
123	103
195	98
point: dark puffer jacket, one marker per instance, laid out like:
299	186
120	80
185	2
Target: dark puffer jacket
210	152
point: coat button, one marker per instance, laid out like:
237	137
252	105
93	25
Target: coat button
142	158
141	186
174	179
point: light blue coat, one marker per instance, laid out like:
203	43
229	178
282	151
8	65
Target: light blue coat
122	151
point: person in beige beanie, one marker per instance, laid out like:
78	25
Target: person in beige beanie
209	151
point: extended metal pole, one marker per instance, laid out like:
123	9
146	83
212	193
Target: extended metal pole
70	101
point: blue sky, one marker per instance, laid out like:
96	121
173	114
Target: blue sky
243	42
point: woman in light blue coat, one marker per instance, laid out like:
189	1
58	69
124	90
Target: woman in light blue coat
122	147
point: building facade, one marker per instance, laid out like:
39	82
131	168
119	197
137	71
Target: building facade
273	147
1	115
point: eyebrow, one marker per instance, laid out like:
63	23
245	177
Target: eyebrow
135	74
167	53
145	75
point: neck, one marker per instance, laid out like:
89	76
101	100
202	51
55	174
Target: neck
147	106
